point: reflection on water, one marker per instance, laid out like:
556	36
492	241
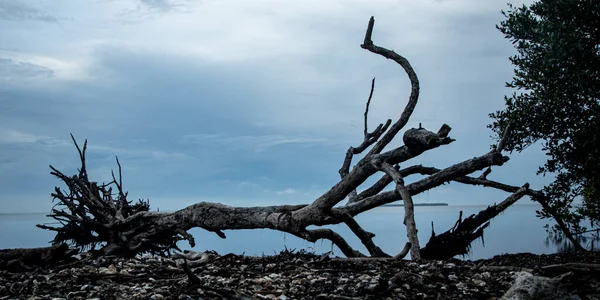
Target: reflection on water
589	241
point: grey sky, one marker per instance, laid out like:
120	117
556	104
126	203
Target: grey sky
240	102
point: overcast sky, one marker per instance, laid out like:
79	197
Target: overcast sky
241	102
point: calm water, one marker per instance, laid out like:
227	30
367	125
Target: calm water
515	230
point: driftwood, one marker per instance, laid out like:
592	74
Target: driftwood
456	240
92	215
572	267
545	270
29	258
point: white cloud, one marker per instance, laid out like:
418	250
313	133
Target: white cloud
300	47
12	136
152	81
248	142
287	191
14	10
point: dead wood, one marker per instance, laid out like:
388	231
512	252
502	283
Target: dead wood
504	269
92	215
571	267
22	259
456	241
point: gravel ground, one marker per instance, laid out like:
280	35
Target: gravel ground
289	275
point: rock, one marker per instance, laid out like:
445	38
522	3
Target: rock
449	266
479	282
364	277
530	287
110	270
461	286
289	276
268	296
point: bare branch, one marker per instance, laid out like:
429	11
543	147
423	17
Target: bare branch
444	130
377	187
504	139
409	210
398	256
457	240
420	169
83	170
435	180
485	173
366	130
559	221
364	169
404	251
576	267
365	237
414	82
368	140
91	214
385	180
419	140
322	233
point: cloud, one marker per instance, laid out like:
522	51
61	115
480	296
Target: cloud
15	10
15	136
287	191
162	5
12	71
136	11
249	142
238	101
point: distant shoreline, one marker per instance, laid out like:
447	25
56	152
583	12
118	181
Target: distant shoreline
417	204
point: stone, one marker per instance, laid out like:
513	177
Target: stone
288	276
530	287
479	282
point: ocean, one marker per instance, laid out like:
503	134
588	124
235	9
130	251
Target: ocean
515	230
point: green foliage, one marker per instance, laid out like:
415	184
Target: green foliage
557	99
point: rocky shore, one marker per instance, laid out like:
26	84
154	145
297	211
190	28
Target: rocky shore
299	275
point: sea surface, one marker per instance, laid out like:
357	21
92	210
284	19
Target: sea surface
515	230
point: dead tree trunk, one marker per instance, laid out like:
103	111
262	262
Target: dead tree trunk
457	240
93	215
24	259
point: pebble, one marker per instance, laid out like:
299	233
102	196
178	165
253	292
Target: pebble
479	283
300	276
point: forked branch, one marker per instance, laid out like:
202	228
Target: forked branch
414	92
409	209
457	240
368	139
91	215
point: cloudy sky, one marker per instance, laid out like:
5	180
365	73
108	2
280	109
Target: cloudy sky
240	102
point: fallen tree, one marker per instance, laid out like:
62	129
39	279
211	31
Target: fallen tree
91	214
28	258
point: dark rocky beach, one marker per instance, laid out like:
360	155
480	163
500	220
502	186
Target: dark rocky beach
294	275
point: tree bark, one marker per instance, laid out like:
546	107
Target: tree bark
92	215
23	259
457	240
